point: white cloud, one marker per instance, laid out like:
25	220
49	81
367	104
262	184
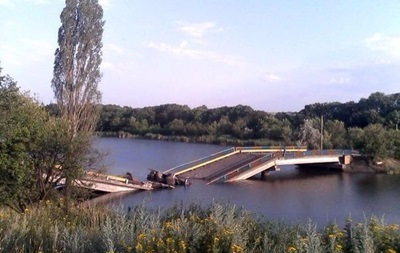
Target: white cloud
13	3
39	49
113	48
109	66
272	78
340	80
26	50
105	3
198	29
38	2
6	3
184	50
184	44
386	44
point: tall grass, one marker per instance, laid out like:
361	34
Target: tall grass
218	228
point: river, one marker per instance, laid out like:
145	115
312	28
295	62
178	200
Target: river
290	194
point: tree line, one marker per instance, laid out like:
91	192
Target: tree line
369	125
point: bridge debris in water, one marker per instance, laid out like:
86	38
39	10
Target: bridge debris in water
111	184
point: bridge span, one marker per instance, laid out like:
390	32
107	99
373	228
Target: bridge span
240	163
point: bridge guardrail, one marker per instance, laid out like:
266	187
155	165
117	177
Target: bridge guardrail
324	152
244	168
271	148
200	160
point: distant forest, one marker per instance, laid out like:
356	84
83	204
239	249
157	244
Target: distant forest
370	123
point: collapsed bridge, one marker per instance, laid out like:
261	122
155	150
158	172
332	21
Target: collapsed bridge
240	163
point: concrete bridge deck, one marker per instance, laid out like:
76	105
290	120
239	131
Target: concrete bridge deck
240	163
110	183
107	183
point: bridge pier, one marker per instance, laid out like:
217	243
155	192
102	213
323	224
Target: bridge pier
265	172
345	159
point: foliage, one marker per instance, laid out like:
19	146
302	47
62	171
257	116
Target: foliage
220	125
218	228
335	135
25	146
75	80
375	142
16	126
32	146
77	64
378	108
310	135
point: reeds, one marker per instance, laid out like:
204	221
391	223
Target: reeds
218	228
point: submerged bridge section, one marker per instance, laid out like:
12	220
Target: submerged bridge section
239	163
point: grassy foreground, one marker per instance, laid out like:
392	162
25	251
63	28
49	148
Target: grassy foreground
218	228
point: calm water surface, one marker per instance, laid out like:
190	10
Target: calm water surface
290	194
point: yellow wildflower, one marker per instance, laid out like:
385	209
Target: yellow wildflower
182	245
236	248
390	250
168	224
139	247
291	249
141	236
170	241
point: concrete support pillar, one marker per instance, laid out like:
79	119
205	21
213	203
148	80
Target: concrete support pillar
264	174
345	159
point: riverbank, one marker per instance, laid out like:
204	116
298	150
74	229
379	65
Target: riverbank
365	164
205	139
218	228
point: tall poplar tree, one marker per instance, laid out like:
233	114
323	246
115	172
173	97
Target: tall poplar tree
76	77
77	64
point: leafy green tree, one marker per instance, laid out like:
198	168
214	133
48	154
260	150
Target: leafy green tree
224	126
286	131
355	136
77	64
393	119
239	128
334	134
375	142
309	134
177	127
15	171
75	80
393	146
32	144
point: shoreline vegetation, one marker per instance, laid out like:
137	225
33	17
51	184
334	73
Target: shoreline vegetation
179	229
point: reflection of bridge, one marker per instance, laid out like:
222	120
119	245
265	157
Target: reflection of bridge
241	163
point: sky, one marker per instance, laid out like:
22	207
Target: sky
271	55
